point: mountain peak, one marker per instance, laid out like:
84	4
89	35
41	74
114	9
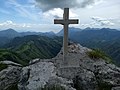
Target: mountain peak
9	30
9	33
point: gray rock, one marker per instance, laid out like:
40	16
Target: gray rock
107	74
116	88
38	75
23	82
9	77
85	80
10	63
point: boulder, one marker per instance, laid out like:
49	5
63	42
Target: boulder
9	77
39	75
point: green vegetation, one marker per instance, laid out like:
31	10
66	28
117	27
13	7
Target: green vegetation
97	53
6	54
23	49
2	66
53	87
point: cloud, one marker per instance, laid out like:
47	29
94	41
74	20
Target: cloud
91	24
29	26
90	3
102	21
10	24
47	5
58	13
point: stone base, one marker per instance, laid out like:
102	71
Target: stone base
69	62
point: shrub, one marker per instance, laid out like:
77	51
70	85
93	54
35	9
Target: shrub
97	54
2	66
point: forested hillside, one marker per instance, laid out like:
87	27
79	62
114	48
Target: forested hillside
24	49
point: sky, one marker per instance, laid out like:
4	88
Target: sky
39	15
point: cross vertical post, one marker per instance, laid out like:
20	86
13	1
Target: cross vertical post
65	37
65	21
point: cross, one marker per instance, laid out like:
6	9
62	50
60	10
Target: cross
65	21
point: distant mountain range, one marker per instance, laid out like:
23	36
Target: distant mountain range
11	33
7	35
106	39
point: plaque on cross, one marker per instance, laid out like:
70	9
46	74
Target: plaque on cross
65	21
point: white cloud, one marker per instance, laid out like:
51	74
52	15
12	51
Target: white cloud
92	25
102	21
29	26
58	13
99	22
10	24
7	23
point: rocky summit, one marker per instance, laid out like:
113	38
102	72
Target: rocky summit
77	72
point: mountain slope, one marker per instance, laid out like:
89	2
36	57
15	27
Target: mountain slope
6	54
4	40
33	46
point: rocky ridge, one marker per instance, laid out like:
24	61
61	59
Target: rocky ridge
78	72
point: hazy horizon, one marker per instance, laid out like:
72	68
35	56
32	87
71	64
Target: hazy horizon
53	31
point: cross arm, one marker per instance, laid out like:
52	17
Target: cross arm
58	21
73	21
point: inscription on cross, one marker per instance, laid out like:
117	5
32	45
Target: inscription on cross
65	21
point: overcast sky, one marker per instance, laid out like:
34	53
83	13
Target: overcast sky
39	15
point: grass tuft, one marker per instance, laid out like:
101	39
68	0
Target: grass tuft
97	54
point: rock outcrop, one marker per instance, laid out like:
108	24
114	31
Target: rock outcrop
10	76
87	73
37	75
77	72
